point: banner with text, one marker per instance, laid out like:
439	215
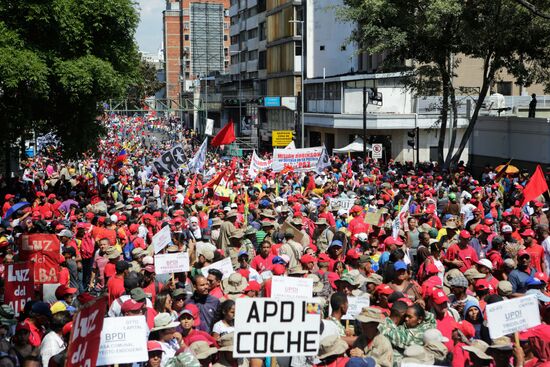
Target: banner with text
44	251
162	239
86	334
258	165
508	317
341	203
18	285
170	161
274	328
224	266
291	288
123	340
299	160
172	263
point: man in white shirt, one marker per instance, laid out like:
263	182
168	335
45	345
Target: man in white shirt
53	343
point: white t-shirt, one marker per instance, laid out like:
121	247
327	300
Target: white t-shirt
546	247
467	212
221	328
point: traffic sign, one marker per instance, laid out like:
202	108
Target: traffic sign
377	151
281	138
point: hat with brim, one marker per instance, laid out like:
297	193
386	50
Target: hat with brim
317	284
231	214
164	321
346	278
375	279
234	284
297	270
114	255
226	343
321	222
478	347
267	223
503	343
416	354
370	314
216	222
332	345
202	350
237	235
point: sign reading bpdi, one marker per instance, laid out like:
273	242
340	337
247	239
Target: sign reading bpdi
270	328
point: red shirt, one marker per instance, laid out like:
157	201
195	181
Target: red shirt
537	254
151	289
446	325
468	256
260	264
217	292
36	334
429	284
64	276
110	270
115	287
6	207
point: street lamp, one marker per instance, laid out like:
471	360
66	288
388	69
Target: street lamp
301	22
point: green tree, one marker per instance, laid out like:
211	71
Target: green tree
58	60
145	84
431	34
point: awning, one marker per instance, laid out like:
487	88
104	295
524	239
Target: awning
355	147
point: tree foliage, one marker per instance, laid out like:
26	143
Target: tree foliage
145	84
58	60
433	36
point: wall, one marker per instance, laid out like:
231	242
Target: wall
323	29
395	100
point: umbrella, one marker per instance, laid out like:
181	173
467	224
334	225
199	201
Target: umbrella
15	208
66	205
510	170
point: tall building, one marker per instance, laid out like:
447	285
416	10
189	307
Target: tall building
196	43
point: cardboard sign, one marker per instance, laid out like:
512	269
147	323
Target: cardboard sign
341	203
258	165
300	160
123	340
507	317
225	266
172	263
170	161
18	285
44	251
373	218
298	235
291	288
86	334
162	239
274	328
355	305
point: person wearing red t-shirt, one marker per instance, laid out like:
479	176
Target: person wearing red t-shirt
461	255
214	279
445	321
535	250
115	284
332	352
8	204
39	316
150	284
263	261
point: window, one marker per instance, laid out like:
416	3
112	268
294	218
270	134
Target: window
261	60
252	55
225	25
186	25
234	20
322	48
504	88
226	51
343	48
187	37
298	49
225	37
234	39
261	30
253	33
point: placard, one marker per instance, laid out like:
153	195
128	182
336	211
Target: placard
172	263
373	218
355	306
291	288
275	328
507	317
86	333
162	239
341	203
170	161
225	266
44	251
300	160
123	340
298	235
281	138
258	165
18	285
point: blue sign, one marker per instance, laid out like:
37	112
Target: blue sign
272	102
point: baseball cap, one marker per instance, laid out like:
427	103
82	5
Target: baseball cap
131	305
41	308
507	229
528	233
154	346
485	262
400	265
336	243
305	259
63	290
439	297
482	285
352	254
138	294
383	289
465	234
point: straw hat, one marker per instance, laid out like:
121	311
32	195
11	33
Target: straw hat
417	354
370	314
332	345
231	214
164	321
216	222
202	350
226	343
478	347
234	284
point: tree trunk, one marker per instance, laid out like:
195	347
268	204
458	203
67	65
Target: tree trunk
445	80
452	143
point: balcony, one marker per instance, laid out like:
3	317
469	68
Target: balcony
252	22
234	29
251	3
234	48
233	10
234	69
252	66
252	44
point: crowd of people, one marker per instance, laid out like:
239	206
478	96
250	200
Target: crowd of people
430	250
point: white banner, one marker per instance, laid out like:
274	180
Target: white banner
274	328
508	317
170	161
355	306
161	239
209	127
341	203
291	288
323	161
224	266
123	340
258	165
399	221
300	160
172	263
197	162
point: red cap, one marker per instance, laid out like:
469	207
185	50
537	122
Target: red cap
538	204
523	253
90	215
51	196
383	289
439	297
466	328
253	286
489	221
465	234
407	301
22	326
8	196
528	233
40	194
482	285
356	209
63	290
431	269
134	227
131	305
323	258
278	269
154	346
352	254
67	328
196	313
305	259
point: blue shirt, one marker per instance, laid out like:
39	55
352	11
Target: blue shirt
208	308
518	279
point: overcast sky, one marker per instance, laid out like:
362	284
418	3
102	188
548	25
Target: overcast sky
149	32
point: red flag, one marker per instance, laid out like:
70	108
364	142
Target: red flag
225	136
216	180
190	191
535	187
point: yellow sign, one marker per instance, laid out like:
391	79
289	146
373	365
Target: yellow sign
281	138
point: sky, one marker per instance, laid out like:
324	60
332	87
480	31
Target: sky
149	32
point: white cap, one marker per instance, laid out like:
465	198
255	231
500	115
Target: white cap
148	260
507	229
434	336
114	218
487	263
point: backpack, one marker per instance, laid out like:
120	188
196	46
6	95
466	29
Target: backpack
127	250
87	246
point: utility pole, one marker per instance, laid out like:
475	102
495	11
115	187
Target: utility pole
365	104
302	57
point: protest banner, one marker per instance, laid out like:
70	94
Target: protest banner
298	235
291	288
258	165
224	266
86	334
508	317
162	239
341	203
275	328
44	251
300	160
18	285
123	340
355	305
373	218
171	263
170	161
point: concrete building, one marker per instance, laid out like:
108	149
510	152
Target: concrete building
196	43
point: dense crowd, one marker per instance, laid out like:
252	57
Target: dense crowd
429	250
